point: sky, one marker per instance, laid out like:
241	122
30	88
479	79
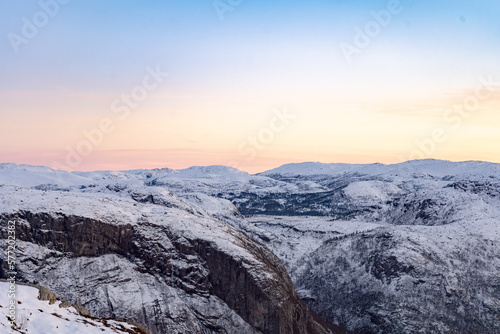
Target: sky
89	84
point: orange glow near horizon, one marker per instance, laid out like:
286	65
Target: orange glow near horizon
250	135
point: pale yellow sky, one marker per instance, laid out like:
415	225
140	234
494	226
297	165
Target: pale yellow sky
207	90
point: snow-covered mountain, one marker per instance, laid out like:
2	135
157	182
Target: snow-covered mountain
404	248
407	248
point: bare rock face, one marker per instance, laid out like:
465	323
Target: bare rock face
166	268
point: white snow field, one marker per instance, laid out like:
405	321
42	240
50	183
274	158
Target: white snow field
34	316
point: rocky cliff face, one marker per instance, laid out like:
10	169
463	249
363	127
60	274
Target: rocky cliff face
163	267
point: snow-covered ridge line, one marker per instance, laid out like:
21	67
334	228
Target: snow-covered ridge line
302	168
229	182
438	168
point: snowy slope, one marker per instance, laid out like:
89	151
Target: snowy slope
36	316
125	175
312	168
216	180
31	176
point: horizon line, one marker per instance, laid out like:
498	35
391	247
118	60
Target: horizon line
241	170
